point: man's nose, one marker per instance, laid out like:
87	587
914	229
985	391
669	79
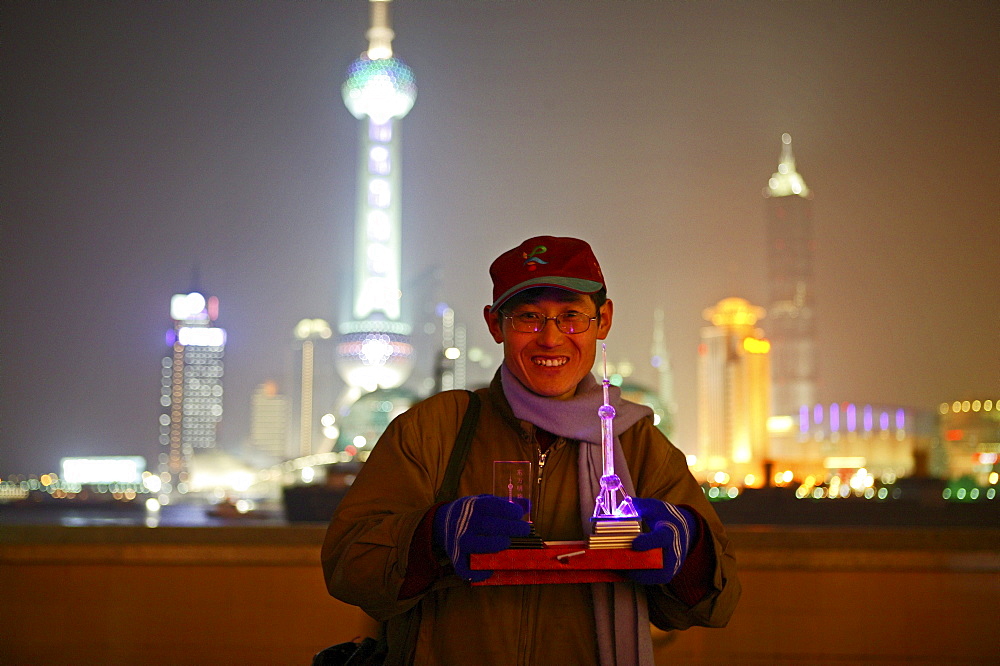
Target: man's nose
550	333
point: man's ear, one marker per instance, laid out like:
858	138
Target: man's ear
607	314
493	322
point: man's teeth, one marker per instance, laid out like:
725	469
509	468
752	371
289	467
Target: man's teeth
550	362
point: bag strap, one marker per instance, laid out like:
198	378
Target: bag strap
446	493
449	487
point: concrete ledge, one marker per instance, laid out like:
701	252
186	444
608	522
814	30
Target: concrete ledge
255	595
761	548
867	549
181	546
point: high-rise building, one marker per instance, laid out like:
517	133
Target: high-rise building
191	387
269	417
791	324
970	439
315	387
449	369
374	350
660	360
733	393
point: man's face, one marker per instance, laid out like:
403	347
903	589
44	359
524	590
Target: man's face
551	363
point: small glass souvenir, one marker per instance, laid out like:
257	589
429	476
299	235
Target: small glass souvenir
512	481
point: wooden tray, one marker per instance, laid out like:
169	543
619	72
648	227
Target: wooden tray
563	564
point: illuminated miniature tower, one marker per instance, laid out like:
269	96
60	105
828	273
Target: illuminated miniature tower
616	522
191	387
790	249
374	350
733	391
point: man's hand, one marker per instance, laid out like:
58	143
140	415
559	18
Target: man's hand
477	524
673	529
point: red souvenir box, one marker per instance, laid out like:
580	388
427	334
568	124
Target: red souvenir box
563	563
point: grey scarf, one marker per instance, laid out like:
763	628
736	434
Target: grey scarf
620	610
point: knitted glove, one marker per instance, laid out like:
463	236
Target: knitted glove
477	524
673	529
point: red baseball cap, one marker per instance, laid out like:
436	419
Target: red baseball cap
546	261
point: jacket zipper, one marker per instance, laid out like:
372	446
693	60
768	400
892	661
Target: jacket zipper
529	600
542	456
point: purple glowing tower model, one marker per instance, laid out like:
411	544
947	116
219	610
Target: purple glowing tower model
613	503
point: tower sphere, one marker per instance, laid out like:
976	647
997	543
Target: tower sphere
380	89
374	359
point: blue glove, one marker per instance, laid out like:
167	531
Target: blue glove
673	529
477	524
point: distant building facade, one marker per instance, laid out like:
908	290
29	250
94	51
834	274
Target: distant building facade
315	387
644	395
791	323
733	393
849	443
191	387
269	420
659	358
970	439
450	364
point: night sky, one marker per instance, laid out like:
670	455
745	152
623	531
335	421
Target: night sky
144	141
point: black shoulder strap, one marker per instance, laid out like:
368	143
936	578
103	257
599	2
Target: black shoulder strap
447	493
449	487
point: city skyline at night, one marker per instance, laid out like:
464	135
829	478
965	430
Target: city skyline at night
646	129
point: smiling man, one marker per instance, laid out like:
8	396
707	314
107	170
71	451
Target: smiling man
403	556
557	280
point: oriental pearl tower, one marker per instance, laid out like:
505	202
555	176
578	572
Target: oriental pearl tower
374	350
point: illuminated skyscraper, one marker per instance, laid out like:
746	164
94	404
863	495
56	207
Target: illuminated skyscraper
970	441
660	360
191	386
790	249
733	391
315	386
269	412
374	350
449	371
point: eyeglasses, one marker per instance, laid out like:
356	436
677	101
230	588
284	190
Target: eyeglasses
533	322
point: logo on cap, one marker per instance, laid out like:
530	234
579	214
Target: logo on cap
532	260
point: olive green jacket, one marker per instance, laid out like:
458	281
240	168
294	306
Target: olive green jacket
368	541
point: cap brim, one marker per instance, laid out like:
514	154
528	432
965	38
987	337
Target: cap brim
577	285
